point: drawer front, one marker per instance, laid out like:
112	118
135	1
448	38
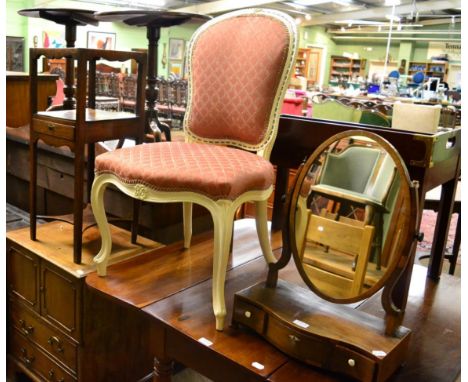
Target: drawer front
36	361
23	276
351	363
54	129
60	299
297	344
248	315
47	338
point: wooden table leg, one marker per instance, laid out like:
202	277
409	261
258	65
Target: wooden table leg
90	169
78	204
441	230
32	187
456	246
162	370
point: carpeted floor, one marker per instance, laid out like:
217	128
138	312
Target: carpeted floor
424	248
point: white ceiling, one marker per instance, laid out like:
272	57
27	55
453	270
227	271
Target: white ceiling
314	12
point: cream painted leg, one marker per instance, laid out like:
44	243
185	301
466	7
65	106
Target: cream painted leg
261	220
223	223
187	212
97	204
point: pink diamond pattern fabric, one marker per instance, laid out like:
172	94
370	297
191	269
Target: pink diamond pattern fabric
234	83
215	171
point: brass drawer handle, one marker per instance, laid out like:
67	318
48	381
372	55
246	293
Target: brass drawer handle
294	338
25	359
52	376
25	329
55	340
51	127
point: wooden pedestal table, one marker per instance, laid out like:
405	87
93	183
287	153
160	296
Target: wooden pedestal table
171	287
71	18
153	21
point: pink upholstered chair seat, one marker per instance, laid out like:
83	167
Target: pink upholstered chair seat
215	171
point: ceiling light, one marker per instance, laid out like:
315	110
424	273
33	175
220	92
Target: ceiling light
317	2
342	2
308	17
359	22
157	3
392	2
343	29
394	18
298	20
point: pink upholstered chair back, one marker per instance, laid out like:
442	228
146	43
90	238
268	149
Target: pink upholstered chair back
239	68
59	95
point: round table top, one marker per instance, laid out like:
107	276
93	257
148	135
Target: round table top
66	16
154	18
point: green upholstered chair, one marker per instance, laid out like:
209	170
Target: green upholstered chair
372	117
335	111
359	176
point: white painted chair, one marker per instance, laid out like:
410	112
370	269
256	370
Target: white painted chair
239	67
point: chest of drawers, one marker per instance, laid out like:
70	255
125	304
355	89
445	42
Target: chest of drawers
53	329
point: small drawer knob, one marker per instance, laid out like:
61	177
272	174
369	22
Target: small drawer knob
247	314
56	341
294	338
351	362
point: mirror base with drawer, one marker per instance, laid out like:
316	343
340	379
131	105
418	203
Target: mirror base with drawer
332	337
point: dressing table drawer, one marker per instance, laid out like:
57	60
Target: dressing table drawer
351	363
54	129
249	315
307	348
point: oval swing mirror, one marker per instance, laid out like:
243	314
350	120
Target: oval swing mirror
353	216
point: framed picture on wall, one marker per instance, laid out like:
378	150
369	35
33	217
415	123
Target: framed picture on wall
53	39
15	54
176	68
101	40
176	49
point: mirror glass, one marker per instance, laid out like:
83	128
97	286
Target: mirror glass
351	216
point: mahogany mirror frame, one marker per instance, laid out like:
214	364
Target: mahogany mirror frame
404	255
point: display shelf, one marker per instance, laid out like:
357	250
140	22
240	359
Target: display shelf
430	69
301	67
346	67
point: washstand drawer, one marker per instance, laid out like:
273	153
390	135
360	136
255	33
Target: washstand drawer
23	276
307	348
54	129
50	340
249	315
35	360
351	363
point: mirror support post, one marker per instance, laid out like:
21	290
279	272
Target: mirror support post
395	293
